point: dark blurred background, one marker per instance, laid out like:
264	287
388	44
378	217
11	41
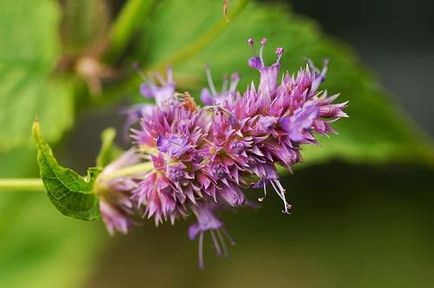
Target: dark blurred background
395	38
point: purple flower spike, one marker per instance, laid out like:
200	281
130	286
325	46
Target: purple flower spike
192	160
164	92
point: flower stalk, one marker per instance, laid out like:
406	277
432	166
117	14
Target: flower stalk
129	171
125	24
36	184
22	184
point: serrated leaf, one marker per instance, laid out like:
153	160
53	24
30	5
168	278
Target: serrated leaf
109	151
71	194
28	56
375	132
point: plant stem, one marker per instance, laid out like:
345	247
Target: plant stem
36	184
125	24
22	184
130	171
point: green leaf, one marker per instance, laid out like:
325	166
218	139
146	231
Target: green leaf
28	56
377	131
69	192
109	151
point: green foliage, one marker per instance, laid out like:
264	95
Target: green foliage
376	130
69	192
40	247
28	53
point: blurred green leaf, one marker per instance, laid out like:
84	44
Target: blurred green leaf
85	24
71	194
27	86
133	12
109	151
376	130
40	247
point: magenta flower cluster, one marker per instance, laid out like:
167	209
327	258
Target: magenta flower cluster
202	159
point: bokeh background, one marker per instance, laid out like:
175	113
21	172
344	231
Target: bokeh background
394	38
362	202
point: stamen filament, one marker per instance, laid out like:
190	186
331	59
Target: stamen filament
210	82
201	264
231	240
130	170
261	51
215	243
222	242
281	192
225	84
260	199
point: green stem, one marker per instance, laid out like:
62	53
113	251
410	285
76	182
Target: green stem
125	24
130	170
201	42
180	56
36	184
32	184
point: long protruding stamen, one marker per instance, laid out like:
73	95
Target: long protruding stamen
231	240
235	78
210	82
276	189
279	53
201	264
215	243
260	199
281	192
225	83
160	79
261	51
222	242
170	75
